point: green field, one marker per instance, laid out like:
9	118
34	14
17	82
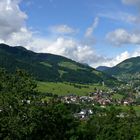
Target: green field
126	108
117	96
67	88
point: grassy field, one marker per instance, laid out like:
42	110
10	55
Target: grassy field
67	88
136	108
126	108
117	96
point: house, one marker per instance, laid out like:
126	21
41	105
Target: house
84	113
126	103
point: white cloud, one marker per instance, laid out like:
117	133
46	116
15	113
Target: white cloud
62	29
90	30
135	3
131	2
13	30
121	16
121	37
22	37
29	3
12	19
89	38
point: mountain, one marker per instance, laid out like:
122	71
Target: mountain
49	67
102	68
127	69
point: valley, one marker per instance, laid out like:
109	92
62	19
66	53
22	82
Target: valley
69	69
35	85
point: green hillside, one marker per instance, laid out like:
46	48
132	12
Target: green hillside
49	67
128	69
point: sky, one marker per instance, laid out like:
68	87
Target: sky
95	32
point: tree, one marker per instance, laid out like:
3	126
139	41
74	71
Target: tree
24	116
16	102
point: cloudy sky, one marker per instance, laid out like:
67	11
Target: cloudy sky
97	32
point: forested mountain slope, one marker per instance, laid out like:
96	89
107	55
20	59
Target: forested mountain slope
49	67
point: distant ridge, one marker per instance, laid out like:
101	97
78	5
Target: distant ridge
102	68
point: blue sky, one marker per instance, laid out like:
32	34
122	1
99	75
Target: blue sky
97	32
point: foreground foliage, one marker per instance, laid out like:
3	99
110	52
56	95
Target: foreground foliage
24	116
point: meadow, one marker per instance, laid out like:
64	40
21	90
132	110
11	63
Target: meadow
65	88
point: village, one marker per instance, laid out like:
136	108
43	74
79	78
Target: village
98	98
